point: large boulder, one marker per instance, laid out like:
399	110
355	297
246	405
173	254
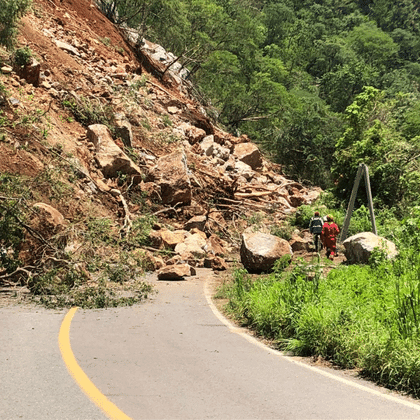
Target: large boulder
110	158
171	174
259	251
359	248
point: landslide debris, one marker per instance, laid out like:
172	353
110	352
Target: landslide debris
110	166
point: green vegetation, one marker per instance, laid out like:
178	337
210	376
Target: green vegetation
10	12
103	270
88	111
357	316
3	95
22	56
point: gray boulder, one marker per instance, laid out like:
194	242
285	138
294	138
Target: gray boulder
259	251
359	248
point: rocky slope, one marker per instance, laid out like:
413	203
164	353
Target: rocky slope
101	132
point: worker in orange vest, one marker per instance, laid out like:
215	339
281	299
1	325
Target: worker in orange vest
329	237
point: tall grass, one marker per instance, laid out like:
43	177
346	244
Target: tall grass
364	317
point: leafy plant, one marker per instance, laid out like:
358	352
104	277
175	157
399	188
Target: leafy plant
22	56
139	234
99	230
11	234
106	41
166	121
284	231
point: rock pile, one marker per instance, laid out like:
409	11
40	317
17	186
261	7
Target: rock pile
157	139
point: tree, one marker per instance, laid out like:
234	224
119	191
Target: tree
373	137
375	46
10	12
302	137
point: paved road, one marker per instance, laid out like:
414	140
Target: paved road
172	358
34	382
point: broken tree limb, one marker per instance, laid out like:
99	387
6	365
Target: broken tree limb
254	194
149	248
4	278
166	210
127	219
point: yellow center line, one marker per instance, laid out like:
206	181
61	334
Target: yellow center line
87	386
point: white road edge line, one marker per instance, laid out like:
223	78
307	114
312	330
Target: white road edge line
242	332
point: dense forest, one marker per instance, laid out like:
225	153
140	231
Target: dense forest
321	85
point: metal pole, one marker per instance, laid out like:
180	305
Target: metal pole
351	203
370	201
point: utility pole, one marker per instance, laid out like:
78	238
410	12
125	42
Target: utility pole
362	170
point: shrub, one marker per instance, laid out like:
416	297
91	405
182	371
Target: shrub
139	234
87	111
22	56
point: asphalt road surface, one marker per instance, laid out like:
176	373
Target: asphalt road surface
172	357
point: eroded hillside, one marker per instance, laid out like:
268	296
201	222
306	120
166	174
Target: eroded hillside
110	166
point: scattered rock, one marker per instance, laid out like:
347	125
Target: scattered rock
193	244
301	243
192	133
6	69
67	47
123	130
217	246
52	219
30	72
215	263
248	153
171	239
207	145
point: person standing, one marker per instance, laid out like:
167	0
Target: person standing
315	227
329	237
